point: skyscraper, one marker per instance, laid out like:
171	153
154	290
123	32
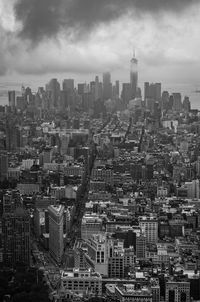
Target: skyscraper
126	92
15	235
134	76
177	104
53	91
3	166
186	104
68	85
11	99
56	244
107	86
98	89
152	91
82	88
165	100
116	90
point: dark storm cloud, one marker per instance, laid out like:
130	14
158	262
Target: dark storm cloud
45	18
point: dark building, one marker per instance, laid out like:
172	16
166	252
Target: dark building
16	237
11	99
195	287
186	104
64	99
68	85
129	238
177	103
107	86
76	123
171	102
152	91
81	88
117	88
21	103
87	101
3	167
165	100
126	92
53	91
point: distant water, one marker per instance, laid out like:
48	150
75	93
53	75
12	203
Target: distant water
6	86
184	89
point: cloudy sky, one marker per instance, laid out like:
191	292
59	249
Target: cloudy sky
80	38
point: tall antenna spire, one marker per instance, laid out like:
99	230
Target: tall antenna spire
134	53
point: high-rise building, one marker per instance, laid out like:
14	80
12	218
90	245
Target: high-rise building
107	86
3	166
152	91
116	263
186	104
97	89
16	237
1	242
157	91
82	88
68	85
56	243
11	99
92	89
126	92
134	77
115	92
177	103
146	90
64	99
117	87
140	246
149	227
171	102
21	103
53	92
165	100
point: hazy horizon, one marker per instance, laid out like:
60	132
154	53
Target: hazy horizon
84	38
183	88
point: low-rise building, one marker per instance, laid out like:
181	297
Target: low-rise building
81	282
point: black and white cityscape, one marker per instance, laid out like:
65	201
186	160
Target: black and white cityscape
99	151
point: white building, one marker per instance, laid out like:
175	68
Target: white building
98	252
81	282
91	224
149	227
27	164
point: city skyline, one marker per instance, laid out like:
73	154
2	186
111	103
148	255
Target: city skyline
166	39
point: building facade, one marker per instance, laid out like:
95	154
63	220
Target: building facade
56	243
